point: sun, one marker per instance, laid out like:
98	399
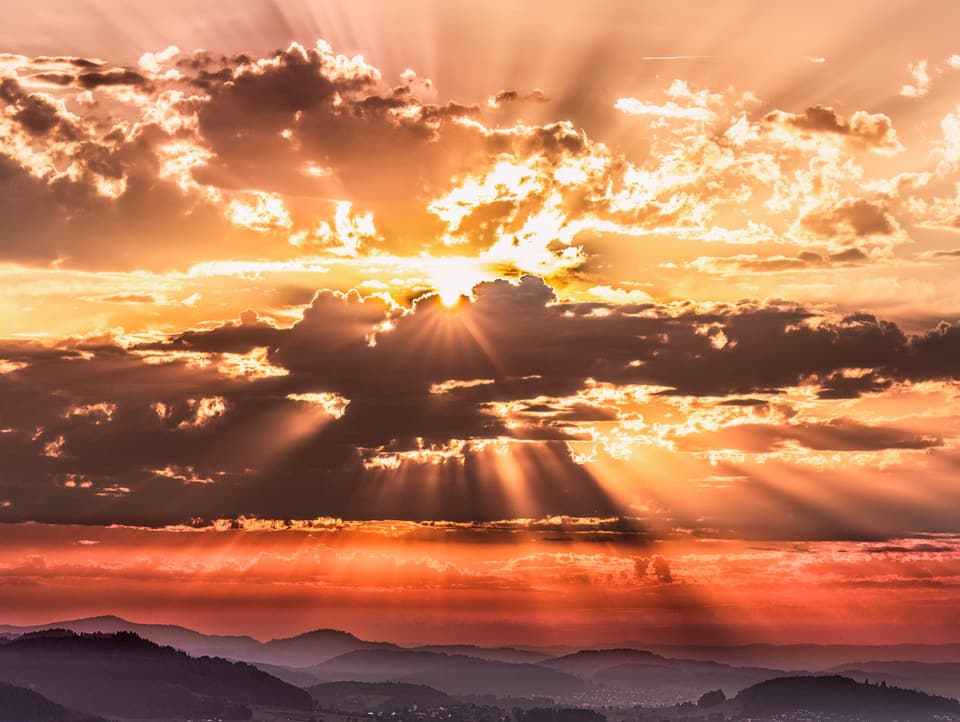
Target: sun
450	296
453	277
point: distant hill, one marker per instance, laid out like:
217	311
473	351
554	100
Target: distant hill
122	675
363	697
940	678
841	696
588	662
312	648
673	679
804	657
18	704
453	674
290	675
493	654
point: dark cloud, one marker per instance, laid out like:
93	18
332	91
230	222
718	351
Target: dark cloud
803	261
840	385
55	78
922	548
111	77
266	119
835	435
100	433
551	347
37	115
66	59
948	254
91	74
504	97
744	402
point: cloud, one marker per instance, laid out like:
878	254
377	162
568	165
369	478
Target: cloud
872	131
265	158
355	403
230	169
216	141
754	263
948	254
111	77
229	148
37	115
844	385
834	435
684	104
922	75
853	224
504	97
632	106
854	216
920	80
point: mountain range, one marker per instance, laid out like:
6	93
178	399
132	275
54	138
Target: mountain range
320	645
111	667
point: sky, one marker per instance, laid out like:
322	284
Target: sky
528	323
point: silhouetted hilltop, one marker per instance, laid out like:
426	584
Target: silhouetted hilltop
122	675
363	697
312	648
586	663
453	674
653	678
18	704
835	695
182	638
942	678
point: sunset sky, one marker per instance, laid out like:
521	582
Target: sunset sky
502	322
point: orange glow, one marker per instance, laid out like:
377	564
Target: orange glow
633	324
